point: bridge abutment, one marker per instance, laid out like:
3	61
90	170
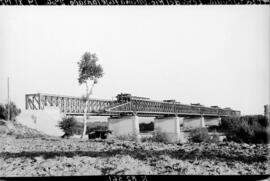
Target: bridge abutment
45	120
124	126
170	126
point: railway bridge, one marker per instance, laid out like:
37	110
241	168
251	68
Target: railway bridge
124	112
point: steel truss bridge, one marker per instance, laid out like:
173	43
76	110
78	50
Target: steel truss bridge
124	105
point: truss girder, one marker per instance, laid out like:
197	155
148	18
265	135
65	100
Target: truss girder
65	103
74	105
156	108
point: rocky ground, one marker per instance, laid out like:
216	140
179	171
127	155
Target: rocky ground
43	155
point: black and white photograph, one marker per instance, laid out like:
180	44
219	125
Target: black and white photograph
134	90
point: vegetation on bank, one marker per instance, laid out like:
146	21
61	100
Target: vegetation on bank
199	135
158	136
243	129
71	126
240	129
248	129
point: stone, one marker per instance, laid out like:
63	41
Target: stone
77	157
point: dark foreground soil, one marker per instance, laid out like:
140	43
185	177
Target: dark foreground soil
50	156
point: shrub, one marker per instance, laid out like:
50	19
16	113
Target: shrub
14	111
159	136
199	135
130	137
146	139
248	129
67	125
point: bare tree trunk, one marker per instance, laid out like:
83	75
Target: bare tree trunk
84	119
85	108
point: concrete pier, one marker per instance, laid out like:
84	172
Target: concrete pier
215	121
124	126
194	122
170	126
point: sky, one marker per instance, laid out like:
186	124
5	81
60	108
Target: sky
213	55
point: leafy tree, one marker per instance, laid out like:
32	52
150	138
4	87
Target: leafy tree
68	125
2	112
13	111
89	73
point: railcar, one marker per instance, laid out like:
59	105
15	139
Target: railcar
166	106
228	111
128	97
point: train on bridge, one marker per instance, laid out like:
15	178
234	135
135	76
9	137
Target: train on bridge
173	107
124	104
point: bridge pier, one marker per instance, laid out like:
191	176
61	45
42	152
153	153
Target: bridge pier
194	122
212	121
124	126
170	126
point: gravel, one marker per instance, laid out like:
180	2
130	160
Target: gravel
50	156
27	152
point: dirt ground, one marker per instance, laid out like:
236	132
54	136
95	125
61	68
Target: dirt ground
52	156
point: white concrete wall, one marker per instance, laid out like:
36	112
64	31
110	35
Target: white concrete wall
193	123
124	126
43	120
170	126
